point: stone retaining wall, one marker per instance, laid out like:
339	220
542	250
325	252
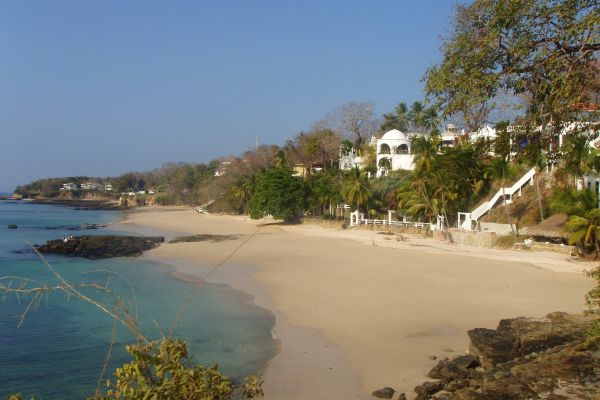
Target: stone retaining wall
556	248
472	238
337	224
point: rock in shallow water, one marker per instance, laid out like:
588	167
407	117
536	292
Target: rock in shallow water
101	246
12	226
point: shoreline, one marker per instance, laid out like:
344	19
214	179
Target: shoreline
280	372
359	351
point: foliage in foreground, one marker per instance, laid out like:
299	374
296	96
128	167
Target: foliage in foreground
161	370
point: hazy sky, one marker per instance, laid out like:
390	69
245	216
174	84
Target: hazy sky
104	87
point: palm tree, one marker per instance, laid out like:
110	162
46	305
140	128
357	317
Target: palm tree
445	191
417	115
585	231
500	166
431	120
355	188
425	152
581	206
397	120
402	116
576	152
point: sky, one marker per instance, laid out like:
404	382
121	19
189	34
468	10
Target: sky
100	88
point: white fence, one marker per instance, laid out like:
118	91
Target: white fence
369	221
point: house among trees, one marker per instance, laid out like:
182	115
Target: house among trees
393	152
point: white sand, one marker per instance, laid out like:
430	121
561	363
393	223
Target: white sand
356	312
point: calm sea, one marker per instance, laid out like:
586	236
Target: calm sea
59	350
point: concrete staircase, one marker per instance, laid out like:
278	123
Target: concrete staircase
202	208
465	220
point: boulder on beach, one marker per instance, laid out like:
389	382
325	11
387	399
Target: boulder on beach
385	393
101	246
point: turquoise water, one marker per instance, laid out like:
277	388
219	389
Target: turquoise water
59	350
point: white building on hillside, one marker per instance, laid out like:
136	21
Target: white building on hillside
352	159
393	152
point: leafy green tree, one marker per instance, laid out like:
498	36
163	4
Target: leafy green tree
323	192
161	370
278	193
544	48
355	188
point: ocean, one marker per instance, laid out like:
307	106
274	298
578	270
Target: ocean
59	350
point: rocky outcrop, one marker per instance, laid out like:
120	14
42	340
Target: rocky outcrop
81	204
523	358
101	246
205	237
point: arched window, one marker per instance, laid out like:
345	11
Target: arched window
402	149
384	149
589	185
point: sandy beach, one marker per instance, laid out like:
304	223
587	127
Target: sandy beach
356	311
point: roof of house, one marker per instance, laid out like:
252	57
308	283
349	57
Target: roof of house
551	227
394	134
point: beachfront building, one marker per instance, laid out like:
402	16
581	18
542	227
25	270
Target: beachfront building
450	136
351	159
393	152
91	186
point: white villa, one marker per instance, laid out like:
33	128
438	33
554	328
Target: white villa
393	152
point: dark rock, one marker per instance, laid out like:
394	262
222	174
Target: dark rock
81	204
458	367
524	359
402	396
204	238
101	246
533	335
427	389
518	337
385	393
491	346
12	226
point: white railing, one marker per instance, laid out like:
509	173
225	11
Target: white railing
368	221
486	206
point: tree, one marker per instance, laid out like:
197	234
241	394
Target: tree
279	194
417	116
546	49
355	188
161	369
399	119
500	166
425	152
316	147
323	191
352	120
